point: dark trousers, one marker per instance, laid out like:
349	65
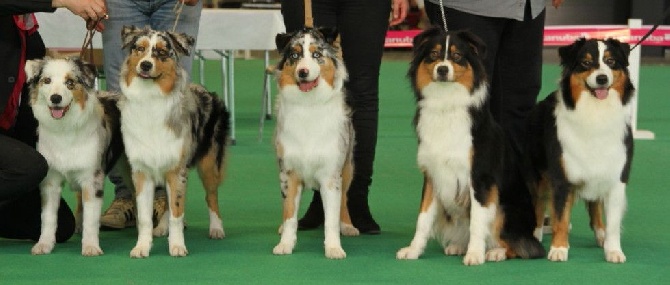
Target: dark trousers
22	168
362	26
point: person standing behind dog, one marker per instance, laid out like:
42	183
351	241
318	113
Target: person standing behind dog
362	26
159	15
513	33
22	168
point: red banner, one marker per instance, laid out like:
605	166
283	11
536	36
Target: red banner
563	35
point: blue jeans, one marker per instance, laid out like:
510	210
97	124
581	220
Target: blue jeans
159	15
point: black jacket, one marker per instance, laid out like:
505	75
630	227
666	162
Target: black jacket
10	44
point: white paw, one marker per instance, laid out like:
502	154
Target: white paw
178	250
473	258
91	250
282	249
42	248
496	254
348	230
335	253
600	237
615	256
216	233
160	231
537	233
408	253
281	229
558	254
453	249
140	251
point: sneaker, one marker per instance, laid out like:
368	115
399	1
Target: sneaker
160	207
119	215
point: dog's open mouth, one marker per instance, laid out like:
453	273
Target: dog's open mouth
306	86
600	93
147	75
58	112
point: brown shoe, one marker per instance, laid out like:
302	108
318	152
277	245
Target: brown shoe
120	214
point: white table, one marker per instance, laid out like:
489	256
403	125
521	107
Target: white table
221	30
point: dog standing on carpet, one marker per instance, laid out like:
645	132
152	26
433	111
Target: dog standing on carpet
461	155
80	138
314	136
167	127
581	144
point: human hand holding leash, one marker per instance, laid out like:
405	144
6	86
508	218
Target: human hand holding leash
87	9
556	3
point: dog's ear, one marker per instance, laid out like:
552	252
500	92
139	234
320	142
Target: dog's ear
329	34
88	72
129	35
477	46
33	68
568	53
423	37
282	40
182	42
622	48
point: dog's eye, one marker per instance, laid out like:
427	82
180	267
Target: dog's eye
162	52
294	55
69	84
587	63
610	61
139	48
46	80
456	56
316	54
434	54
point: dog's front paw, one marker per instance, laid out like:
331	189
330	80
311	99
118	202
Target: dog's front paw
178	250
558	254
91	250
454	249
282	249
496	254
408	253
42	248
335	253
140	251
473	258
216	233
348	230
615	256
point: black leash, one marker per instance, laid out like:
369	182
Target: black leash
658	23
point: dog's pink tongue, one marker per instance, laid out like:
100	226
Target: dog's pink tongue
307	86
57	113
601	93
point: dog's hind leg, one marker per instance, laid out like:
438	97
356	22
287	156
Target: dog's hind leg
291	188
91	192
331	195
212	173
175	182
50	190
78	213
595	209
346	226
539	191
428	212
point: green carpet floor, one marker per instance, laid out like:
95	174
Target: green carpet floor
251	208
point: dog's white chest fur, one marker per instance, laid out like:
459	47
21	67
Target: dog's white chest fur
444	131
592	138
151	146
313	137
72	150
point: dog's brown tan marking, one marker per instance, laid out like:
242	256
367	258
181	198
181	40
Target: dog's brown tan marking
620	80
176	181
463	74
79	93
347	176
212	175
595	209
138	180
166	69
578	80
560	222
293	183
427	194
424	74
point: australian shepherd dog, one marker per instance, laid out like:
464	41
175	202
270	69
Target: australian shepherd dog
581	145
314	136
80	138
461	155
169	125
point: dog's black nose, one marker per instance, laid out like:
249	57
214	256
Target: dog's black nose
442	70
601	79
303	73
146	65
56	98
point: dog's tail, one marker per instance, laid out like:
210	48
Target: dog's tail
524	246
